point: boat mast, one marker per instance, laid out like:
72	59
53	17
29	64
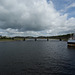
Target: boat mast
71	36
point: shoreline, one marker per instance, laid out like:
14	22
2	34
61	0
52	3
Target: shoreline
6	40
9	40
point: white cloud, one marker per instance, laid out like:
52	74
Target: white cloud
67	7
71	5
33	17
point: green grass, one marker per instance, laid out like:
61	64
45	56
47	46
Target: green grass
6	40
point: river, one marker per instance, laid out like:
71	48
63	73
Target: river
39	57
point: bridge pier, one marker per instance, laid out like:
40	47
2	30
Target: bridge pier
24	39
35	39
47	39
60	39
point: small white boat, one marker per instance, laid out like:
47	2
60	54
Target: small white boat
71	41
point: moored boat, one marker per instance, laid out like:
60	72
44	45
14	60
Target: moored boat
71	41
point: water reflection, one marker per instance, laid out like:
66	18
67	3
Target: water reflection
71	47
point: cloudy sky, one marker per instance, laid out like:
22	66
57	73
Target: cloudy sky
37	17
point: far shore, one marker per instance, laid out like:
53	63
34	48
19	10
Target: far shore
21	38
10	40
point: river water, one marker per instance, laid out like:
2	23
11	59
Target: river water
40	57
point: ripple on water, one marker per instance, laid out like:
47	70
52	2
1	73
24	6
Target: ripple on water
36	58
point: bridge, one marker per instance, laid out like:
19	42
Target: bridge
34	38
24	39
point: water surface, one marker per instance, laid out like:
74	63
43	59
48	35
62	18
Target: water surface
36	58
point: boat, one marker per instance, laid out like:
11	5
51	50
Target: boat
71	41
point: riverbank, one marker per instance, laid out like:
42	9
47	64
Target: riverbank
21	38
